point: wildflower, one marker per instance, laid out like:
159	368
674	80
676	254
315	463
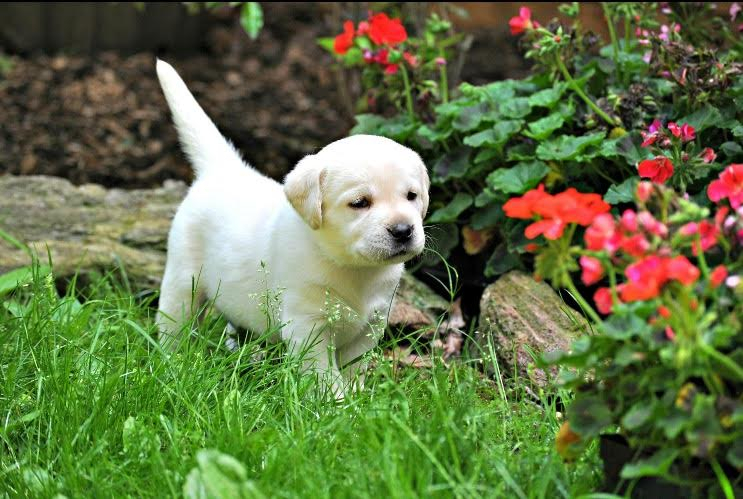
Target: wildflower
386	31
603	300
658	170
593	271
522	22
344	41
718	275
708	155
729	185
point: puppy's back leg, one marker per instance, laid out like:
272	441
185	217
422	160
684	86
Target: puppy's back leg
180	299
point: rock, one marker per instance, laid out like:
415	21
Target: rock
89	228
518	314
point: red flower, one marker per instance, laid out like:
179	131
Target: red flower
603	299
687	132
593	271
645	278
718	275
386	31
522	22
551	228
629	221
523	207
674	128
708	155
708	233
636	245
651	135
658	170
363	28
344	41
729	185
664	312
682	270
670	334
391	69
410	58
602	234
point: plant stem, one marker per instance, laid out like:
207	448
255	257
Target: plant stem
588	309
408	96
576	88
614	42
722	359
444	78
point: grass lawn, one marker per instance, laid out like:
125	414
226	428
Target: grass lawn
91	408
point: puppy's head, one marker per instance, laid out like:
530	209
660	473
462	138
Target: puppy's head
365	196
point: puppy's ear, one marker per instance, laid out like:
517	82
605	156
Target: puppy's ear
426	182
303	189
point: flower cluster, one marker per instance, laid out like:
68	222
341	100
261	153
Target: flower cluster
378	37
555	212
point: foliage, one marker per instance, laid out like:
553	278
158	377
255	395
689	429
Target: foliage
251	14
575	122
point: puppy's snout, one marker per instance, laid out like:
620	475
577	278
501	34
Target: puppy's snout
401	232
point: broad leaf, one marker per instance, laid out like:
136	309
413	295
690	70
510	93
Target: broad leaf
452	165
517	107
251	19
543	128
501	261
488	216
655	465
703	118
518	179
567	147
638	415
451	211
622	193
496	136
589	415
547	97
470	117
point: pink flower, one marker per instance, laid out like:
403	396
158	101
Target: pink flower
391	69
734	10
644	190
522	22
729	185
603	299
410	59
440	61
629	221
718	275
363	28
647	57
602	235
593	271
651	135
708	155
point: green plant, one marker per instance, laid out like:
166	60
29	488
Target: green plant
575	122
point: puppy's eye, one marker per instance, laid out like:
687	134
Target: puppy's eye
412	196
360	204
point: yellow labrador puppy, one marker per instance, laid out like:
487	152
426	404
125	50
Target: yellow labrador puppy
330	242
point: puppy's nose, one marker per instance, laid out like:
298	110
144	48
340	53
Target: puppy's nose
401	232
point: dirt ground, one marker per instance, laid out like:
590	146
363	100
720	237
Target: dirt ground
103	119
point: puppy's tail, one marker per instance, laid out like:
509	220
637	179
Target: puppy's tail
203	144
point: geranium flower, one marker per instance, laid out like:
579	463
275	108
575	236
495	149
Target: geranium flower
363	28
718	275
729	185
651	135
604	301
391	69
685	132
522	22
707	232
593	271
644	190
410	59
681	269
523	207
664	312
602	235
635	245
658	170
344	41
734	10
708	155
629	220
386	31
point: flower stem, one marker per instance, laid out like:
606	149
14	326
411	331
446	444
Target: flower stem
722	359
408	96
444	78
576	88
613	35
588	309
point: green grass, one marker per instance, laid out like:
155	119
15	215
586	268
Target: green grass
90	407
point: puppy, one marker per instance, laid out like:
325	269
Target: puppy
330	243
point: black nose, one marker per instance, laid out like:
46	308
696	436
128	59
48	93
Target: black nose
401	232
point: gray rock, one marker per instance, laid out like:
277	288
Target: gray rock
518	314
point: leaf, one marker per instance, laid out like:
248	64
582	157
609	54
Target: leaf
735	454
622	193
547	97
543	128
489	216
327	43
486	155
496	136
20	277
452	165
451	211
218	476
470	117
702	118
251	19
588	416
441	238
655	465
638	415
517	107
368	124
521	152
474	241
518	179
731	149
567	147
139	440
501	261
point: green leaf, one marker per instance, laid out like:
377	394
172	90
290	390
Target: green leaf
251	19
518	179
521	152
655	465
20	277
139	440
631	150
441	238
622	193
496	136
368	124
470	117
567	147
703	118
327	43
489	216
501	261
735	454
543	128
452	165
547	97
451	211
731	149
218	476
638	415
517	107
588	415
486	155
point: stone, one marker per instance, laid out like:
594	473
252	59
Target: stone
519	314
